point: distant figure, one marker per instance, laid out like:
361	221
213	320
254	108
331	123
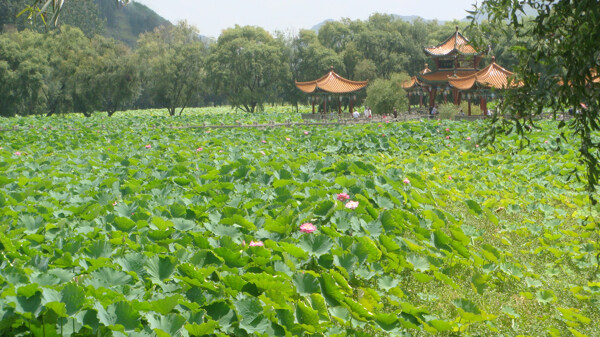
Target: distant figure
434	110
461	112
356	114
395	113
368	112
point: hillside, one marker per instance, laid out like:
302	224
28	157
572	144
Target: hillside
128	22
407	18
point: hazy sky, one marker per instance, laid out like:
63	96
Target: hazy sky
212	16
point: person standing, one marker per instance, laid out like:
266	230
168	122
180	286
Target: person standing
434	110
367	112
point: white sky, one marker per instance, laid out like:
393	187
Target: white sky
212	16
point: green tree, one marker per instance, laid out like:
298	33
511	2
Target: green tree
173	63
335	35
23	67
365	70
118	76
311	60
108	78
560	69
248	66
66	50
384	95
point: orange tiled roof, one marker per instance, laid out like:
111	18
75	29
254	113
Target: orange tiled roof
414	81
455	43
332	83
492	76
443	75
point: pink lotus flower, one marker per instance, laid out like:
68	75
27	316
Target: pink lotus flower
220	151
256	244
545	142
115	203
476	145
199	149
148	146
287	139
468	138
352	204
406	181
447	137
264	141
262	152
449	177
306	132
17	153
343	196
387	121
307	227
447	129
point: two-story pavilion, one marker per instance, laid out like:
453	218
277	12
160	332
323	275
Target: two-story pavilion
457	74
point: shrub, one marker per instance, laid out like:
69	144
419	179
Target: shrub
383	95
448	111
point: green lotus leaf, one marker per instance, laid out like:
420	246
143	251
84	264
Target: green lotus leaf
160	268
474	207
73	297
419	262
306	283
545	296
168	325
316	245
107	277
118	314
207	328
124	224
306	315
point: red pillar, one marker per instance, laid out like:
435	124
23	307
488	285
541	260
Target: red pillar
432	97
455	94
469	107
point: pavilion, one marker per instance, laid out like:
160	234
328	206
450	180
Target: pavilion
329	84
492	77
453	57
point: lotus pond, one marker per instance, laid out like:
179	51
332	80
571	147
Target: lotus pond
127	226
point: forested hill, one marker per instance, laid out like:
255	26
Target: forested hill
128	22
105	17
